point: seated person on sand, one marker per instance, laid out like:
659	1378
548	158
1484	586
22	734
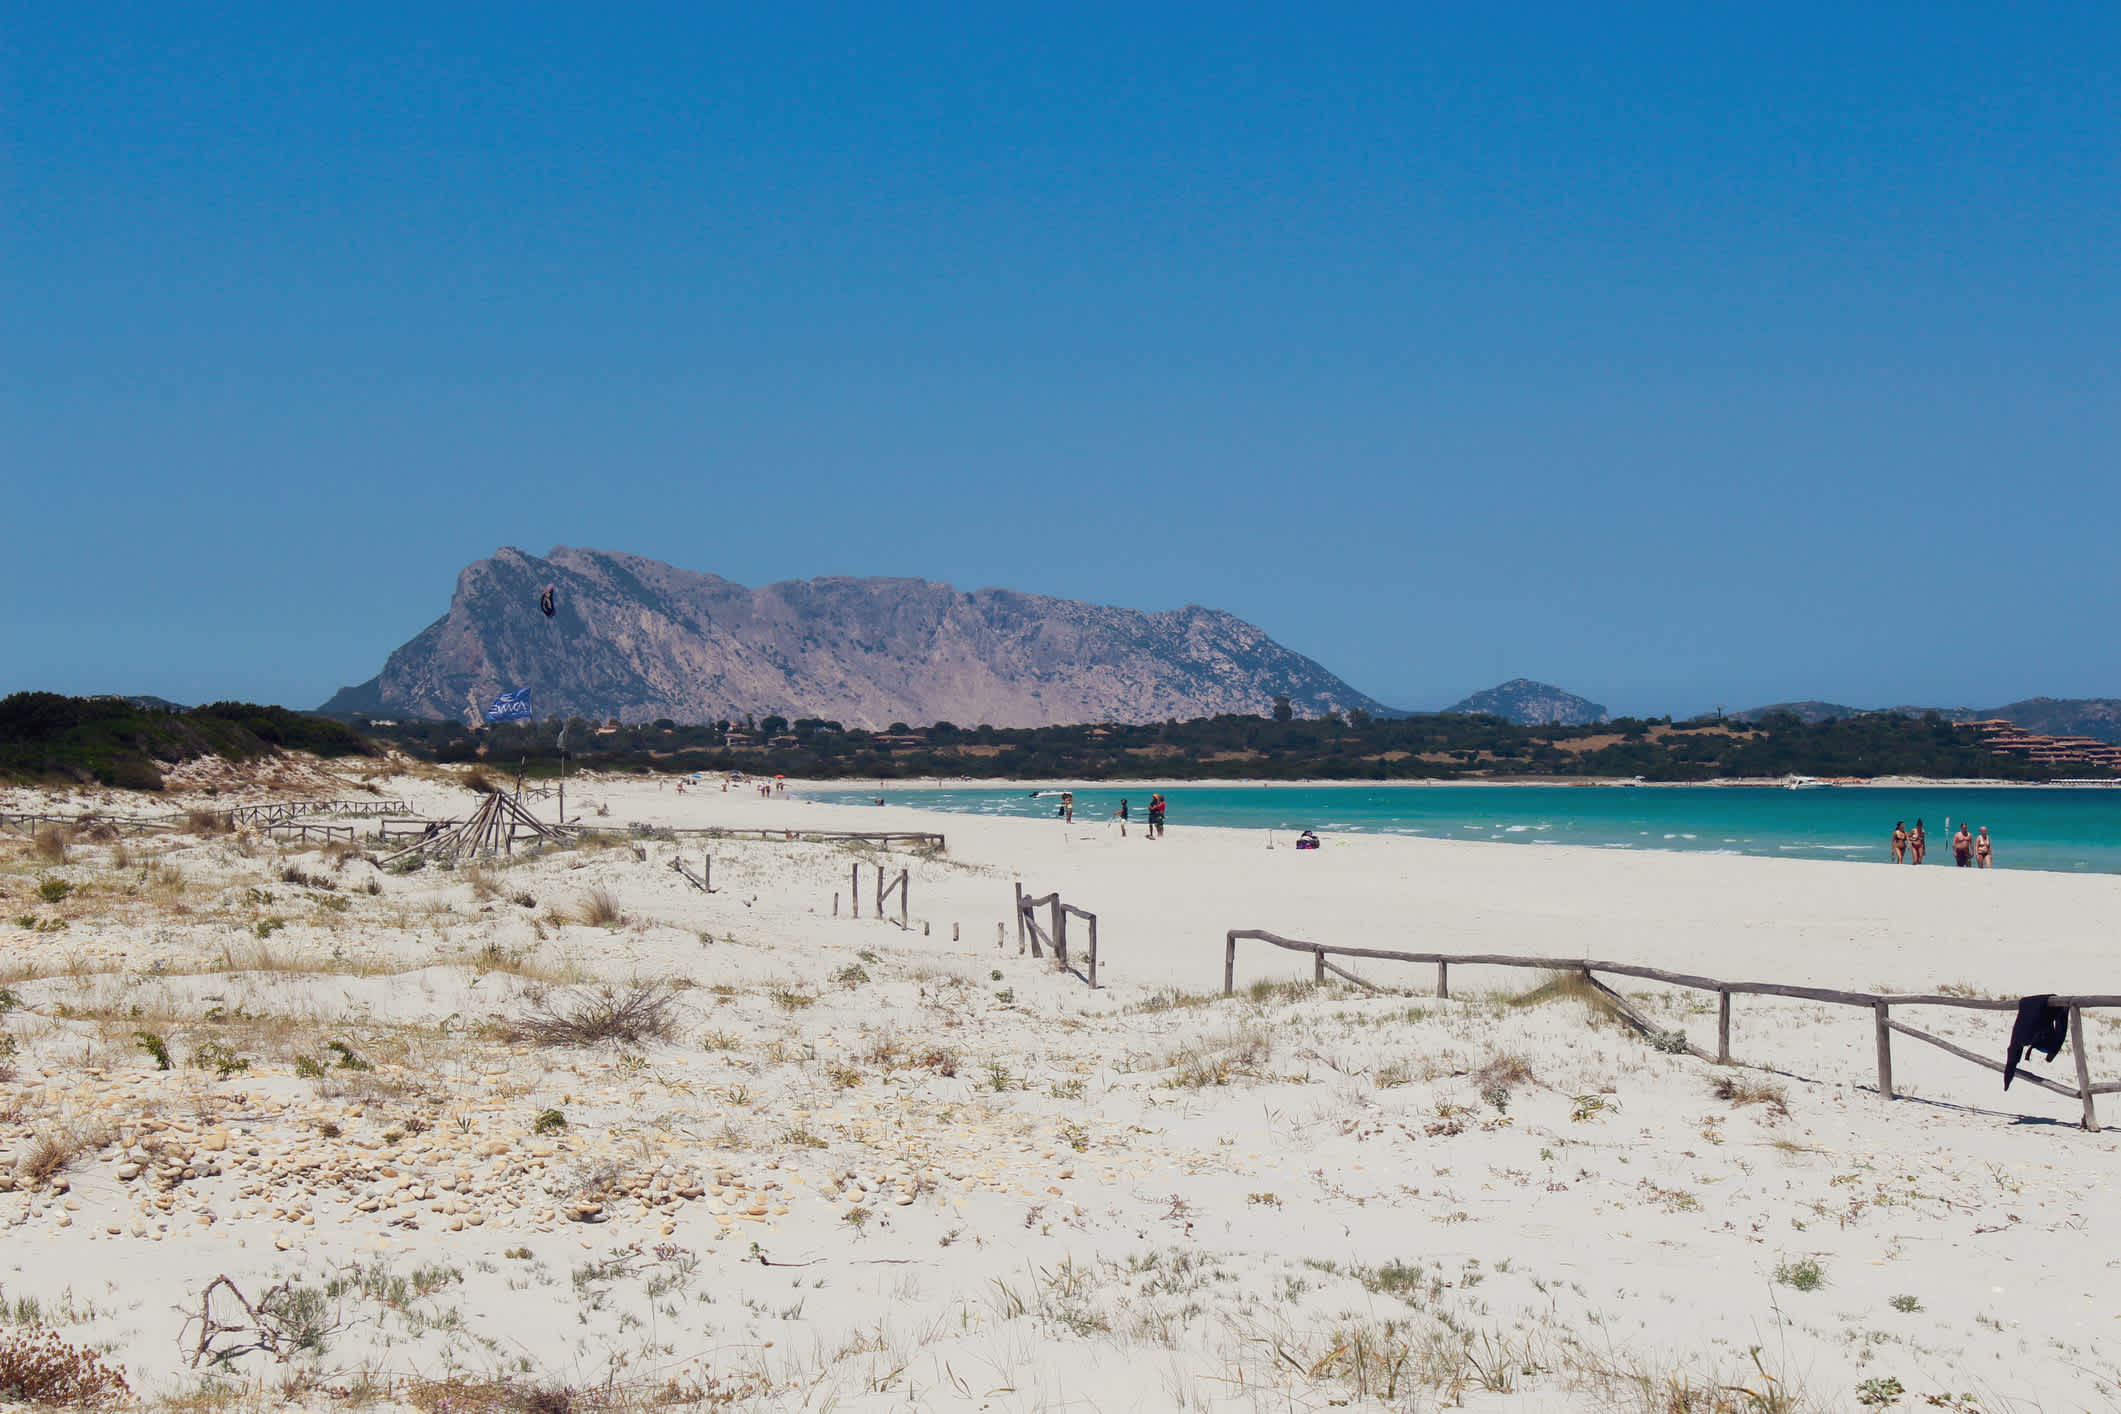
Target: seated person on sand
1307	840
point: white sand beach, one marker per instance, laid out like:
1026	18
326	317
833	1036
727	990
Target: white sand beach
858	1167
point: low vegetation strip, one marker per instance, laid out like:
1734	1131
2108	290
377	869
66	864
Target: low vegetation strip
49	738
1357	746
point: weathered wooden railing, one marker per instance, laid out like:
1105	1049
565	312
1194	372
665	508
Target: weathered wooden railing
1056	938
704	880
303	831
29	822
387	830
1880	1004
920	839
883	892
291	809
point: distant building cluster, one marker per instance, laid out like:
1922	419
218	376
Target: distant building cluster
1999	735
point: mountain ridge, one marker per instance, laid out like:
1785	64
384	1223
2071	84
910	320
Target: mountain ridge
637	639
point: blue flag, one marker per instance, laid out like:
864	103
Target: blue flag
510	707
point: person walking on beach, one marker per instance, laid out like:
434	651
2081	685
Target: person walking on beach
1963	847
1984	851
1122	814
1899	841
1156	816
1067	807
1918	842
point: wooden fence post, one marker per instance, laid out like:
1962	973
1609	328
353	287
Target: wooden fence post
1093	957
1723	1028
902	875
2084	1067
879	893
1882	1017
854	891
1019	916
1318	968
1443	981
1230	963
1060	934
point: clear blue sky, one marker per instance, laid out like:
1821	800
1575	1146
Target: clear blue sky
1679	355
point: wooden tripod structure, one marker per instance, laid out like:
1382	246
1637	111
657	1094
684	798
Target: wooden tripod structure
492	829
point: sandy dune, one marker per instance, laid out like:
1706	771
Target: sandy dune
866	1168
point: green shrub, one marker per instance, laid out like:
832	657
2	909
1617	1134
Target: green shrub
53	890
152	1044
1805	1274
348	1059
215	1056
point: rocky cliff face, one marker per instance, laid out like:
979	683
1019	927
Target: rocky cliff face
637	639
1529	703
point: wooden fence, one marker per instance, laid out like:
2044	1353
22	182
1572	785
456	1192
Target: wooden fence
1056	938
704	880
29	822
919	839
883	892
387	830
1880	1004
291	809
302	831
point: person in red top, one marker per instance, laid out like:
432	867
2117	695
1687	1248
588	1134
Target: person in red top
1156	816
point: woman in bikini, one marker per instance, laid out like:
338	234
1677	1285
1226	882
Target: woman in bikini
1899	841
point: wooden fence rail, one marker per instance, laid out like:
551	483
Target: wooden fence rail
919	839
1879	1004
303	831
1055	937
290	809
31	822
387	830
883	892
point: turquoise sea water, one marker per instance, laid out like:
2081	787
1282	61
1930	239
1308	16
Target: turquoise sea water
2076	830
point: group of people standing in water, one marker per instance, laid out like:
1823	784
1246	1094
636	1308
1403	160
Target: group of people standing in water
1969	850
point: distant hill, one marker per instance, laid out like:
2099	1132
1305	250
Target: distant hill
2098	717
1809	712
1528	703
639	640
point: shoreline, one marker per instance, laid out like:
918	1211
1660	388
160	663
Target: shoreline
850	783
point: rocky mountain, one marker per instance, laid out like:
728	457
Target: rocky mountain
1529	703
2098	717
636	639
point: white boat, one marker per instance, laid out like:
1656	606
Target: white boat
1804	783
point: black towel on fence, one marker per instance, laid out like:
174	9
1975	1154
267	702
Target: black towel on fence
2039	1027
